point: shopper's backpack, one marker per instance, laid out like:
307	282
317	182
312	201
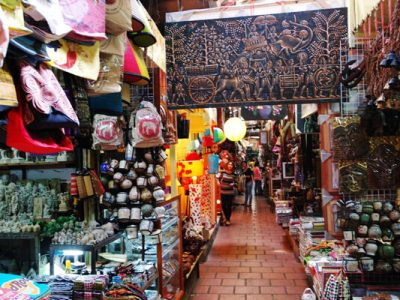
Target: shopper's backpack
146	127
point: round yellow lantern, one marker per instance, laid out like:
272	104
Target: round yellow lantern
235	129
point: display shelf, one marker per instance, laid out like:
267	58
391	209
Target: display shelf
166	281
86	248
194	265
169	223
150	281
170	247
39	164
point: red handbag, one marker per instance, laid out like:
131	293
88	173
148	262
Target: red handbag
43	142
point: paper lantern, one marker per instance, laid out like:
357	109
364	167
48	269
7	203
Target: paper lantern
235	129
219	135
190	168
144	37
135	70
138	17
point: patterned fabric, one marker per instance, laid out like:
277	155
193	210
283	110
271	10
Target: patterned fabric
195	194
227	183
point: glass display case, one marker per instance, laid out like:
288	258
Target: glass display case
171	276
164	250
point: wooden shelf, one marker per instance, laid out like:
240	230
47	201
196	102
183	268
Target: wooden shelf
294	244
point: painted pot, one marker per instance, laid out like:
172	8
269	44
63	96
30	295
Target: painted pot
134	194
126	184
384	221
371	247
132	175
118	177
360	241
367	208
387	207
147	210
375	217
396	229
150	170
382	266
146	227
136	214
158	194
124	213
352	250
377	205
354	216
386	251
122	198
365	219
374	232
152	180
146	195
367	264
394	215
362	230
358	207
350	264
132	232
141	182
148	156
140	167
387	235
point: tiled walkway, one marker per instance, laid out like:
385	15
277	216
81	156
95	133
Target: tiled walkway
251	260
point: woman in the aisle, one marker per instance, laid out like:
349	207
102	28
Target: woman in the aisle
248	193
227	180
257	179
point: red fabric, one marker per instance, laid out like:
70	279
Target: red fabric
21	139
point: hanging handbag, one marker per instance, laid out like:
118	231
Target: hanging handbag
46	104
110	76
8	94
109	104
4	37
43	142
86	18
118	16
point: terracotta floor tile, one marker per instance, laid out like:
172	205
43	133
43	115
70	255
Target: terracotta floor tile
250	275
221	290
247	290
232	297
251	260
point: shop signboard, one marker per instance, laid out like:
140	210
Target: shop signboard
251	61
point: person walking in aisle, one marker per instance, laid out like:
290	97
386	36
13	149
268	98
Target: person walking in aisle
248	193
227	181
257	179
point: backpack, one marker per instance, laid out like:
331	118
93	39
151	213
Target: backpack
146	127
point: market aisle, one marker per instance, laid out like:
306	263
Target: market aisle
251	260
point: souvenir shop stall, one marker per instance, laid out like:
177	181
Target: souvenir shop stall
359	256
88	207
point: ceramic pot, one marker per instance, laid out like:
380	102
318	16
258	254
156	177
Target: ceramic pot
141	182
118	177
160	172
354	216
146	195
148	156
377	206
396	245
147	210
382	266
367	264
134	194
109	198
396	229
367	208
123	166
396	264
146	227
358	207
361	242
132	232
140	167
386	251
374	232
122	198
136	214
126	184
362	230
124	213
150	170
384	221
114	163
394	216
365	219
350	264
371	247
162	156
352	250
132	175
160	212
360	252
158	194
387	235
152	180
387	207
375	217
